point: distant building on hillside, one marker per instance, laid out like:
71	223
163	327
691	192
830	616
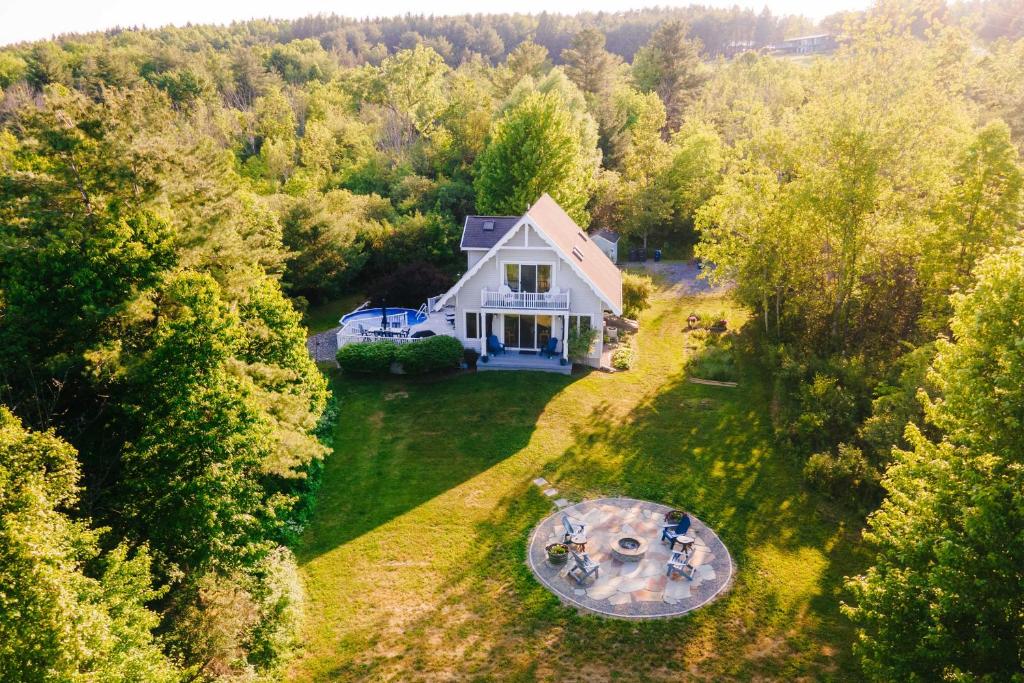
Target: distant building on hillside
819	43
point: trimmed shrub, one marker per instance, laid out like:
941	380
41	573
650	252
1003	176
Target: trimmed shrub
367	358
430	354
623	358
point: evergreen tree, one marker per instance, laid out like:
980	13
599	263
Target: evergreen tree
588	64
670	65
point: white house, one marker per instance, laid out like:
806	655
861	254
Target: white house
529	279
608	242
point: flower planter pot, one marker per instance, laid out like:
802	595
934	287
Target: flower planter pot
673	516
555	557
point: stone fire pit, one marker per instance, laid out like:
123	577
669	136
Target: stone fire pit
624	537
628	548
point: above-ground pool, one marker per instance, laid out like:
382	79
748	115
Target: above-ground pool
374	315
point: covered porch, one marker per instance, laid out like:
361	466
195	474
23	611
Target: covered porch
514	360
525	333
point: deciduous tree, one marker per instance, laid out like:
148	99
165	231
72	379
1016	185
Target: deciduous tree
943	599
535	148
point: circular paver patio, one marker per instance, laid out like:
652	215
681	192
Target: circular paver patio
631	590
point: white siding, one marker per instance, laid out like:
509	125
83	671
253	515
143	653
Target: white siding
474	255
583	300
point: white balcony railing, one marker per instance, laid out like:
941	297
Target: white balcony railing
543	301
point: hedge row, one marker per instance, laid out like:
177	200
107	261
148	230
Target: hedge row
431	354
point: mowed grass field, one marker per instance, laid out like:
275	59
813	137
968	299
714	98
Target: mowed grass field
414	563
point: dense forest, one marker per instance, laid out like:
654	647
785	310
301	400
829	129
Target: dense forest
172	199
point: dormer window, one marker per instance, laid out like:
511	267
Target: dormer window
489	226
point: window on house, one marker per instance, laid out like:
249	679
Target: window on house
512	276
472	325
579	322
528	277
543	278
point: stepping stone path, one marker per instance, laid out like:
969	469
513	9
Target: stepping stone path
640	589
550	491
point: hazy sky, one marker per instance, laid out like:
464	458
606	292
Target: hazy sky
33	19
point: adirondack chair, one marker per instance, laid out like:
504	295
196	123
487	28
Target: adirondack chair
679	563
550	349
583	567
672	532
494	347
570	528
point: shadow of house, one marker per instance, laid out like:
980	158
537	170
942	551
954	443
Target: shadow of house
382	467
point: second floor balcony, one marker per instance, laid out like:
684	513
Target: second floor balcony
505	298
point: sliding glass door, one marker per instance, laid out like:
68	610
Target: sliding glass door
512	331
527	332
528	277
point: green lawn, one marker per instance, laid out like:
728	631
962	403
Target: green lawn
415	561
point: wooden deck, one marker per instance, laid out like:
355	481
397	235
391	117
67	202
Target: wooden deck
512	360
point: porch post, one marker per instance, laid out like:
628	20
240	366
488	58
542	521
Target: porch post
565	337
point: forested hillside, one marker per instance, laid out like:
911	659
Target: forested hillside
171	200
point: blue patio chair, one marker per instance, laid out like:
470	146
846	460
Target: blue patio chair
494	346
570	528
672	532
550	349
583	567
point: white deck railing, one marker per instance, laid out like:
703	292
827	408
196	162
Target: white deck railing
346	339
546	301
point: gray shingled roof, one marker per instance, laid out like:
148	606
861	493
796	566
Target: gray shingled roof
475	236
607	234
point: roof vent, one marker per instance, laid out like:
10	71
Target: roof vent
488	225
577	253
583	236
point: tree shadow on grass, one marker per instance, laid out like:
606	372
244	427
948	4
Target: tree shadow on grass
395	446
780	619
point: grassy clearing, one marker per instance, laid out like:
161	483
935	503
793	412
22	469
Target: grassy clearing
326	315
415	560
